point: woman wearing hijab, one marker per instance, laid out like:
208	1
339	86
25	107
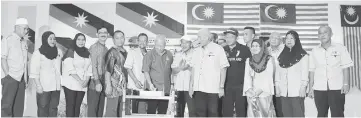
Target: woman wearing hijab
77	70
292	78
258	81
45	70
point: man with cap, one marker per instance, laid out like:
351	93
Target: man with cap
182	75
14	64
237	55
209	66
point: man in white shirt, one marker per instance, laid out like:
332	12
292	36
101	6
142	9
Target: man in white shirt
275	50
136	80
209	66
182	76
14	64
329	67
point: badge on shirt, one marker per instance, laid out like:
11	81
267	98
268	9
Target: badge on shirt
227	54
335	53
237	53
211	54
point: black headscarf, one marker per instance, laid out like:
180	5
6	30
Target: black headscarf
290	57
81	51
45	49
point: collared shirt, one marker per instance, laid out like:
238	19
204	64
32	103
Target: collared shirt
159	68
116	57
15	51
276	52
183	77
262	81
291	79
97	56
328	66
77	65
237	58
134	62
48	71
207	63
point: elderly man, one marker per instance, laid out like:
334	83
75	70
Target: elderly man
157	72
275	50
209	66
329	66
14	64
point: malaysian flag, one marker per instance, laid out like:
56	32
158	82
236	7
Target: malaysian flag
218	17
303	18
351	23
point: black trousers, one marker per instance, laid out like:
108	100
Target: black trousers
293	106
206	104
48	103
278	106
96	101
13	97
332	99
220	106
157	105
183	98
234	99
73	100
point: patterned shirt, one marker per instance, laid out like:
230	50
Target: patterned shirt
97	56
115	66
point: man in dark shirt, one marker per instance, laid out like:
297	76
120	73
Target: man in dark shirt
157	72
115	76
237	55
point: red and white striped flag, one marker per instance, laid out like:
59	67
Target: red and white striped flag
303	18
225	15
351	23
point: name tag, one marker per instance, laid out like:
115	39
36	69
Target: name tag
235	59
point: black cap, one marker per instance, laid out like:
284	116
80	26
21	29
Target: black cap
233	31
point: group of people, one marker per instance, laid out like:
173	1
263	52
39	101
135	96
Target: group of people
249	78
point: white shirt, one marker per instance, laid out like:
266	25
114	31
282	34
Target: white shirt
275	53
262	81
207	64
77	65
328	65
291	79
15	52
47	70
134	61
183	77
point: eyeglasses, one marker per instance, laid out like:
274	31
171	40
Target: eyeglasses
102	32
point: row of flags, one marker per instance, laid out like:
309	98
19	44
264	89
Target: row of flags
134	17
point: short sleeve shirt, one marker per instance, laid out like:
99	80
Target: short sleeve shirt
134	61
236	58
207	63
15	50
159	68
328	66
